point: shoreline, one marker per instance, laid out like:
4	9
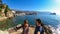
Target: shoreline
49	29
13	31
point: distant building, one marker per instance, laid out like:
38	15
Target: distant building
20	14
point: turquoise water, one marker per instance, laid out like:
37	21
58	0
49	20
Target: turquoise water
52	20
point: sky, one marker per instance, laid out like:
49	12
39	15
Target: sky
34	5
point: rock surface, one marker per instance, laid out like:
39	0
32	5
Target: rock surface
31	31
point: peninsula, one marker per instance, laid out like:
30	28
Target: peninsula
5	11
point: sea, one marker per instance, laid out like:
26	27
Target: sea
53	21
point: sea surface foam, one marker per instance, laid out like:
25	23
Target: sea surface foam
55	30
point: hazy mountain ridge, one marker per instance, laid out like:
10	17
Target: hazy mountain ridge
34	12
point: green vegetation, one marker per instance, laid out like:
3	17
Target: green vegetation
6	24
6	9
4	6
0	9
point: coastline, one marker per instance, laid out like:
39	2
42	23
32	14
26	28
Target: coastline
31	30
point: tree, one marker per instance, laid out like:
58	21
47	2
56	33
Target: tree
6	9
0	3
0	9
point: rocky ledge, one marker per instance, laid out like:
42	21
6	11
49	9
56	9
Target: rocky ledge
31	30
